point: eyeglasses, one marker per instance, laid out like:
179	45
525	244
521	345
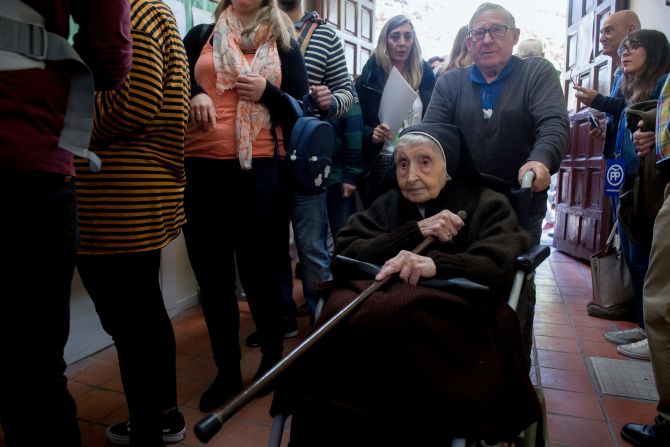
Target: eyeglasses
629	48
496	31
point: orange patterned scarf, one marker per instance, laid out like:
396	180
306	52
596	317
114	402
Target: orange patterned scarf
229	63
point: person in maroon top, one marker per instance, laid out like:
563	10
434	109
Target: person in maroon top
38	222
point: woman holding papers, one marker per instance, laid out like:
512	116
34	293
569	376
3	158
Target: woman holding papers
397	48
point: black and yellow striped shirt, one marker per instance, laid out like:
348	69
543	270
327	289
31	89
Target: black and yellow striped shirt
135	203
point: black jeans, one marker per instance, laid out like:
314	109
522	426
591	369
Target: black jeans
237	217
125	289
39	243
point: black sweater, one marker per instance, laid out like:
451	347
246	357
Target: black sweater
483	251
369	87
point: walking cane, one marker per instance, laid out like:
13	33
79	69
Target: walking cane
212	423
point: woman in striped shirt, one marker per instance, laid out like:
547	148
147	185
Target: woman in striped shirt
130	210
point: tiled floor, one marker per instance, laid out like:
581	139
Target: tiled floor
565	337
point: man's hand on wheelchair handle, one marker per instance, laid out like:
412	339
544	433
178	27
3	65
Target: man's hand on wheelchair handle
409	266
542	175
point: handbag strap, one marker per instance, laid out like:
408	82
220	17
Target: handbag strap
610	238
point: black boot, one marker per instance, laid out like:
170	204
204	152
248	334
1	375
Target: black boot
225	386
651	435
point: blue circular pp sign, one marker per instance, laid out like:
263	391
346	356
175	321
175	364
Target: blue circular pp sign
615	175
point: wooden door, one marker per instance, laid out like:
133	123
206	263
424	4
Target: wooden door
355	21
583	216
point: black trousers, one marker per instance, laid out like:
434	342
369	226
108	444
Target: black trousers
237	219
39	243
125	289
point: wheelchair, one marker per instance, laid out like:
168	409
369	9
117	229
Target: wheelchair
525	265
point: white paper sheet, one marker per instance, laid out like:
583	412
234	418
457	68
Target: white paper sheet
397	99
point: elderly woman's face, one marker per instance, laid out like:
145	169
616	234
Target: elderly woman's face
421	172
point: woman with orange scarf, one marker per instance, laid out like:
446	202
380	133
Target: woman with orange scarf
241	69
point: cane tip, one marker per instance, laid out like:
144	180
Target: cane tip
462	214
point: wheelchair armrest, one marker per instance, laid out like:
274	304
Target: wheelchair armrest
528	261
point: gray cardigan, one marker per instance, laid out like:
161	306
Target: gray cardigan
530	121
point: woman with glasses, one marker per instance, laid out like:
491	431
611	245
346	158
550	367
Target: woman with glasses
645	58
397	47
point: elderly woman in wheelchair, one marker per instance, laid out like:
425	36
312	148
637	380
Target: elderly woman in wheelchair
432	356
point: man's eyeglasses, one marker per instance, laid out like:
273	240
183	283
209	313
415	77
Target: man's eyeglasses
496	31
629	48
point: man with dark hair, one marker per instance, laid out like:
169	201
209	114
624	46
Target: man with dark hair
39	221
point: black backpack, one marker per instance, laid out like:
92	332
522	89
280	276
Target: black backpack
310	148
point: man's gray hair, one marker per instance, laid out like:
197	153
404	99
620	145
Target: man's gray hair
492	7
529	47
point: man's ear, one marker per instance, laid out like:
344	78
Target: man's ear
468	43
516	34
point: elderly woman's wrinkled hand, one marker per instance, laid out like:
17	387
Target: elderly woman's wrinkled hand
443	225
409	266
203	113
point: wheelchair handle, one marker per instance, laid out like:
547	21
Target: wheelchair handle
527	181
212	423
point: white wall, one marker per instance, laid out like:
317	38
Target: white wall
653	14
180	292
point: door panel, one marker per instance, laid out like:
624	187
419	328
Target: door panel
582	210
355	21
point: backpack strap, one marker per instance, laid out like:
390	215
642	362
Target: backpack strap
24	44
305	27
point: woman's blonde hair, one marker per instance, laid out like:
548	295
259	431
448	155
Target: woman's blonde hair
413	70
277	20
460	55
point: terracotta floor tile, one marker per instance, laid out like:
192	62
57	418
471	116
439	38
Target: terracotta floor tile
560	360
553	330
549	297
582	299
577	432
629	410
542	289
585	333
586	320
550	307
556	344
578	381
601	349
99	403
572	404
551	317
96	373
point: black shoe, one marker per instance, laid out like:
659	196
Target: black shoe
174	429
650	435
223	388
252	340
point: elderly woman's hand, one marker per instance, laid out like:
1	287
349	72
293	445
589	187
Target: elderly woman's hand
443	225
410	267
203	113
